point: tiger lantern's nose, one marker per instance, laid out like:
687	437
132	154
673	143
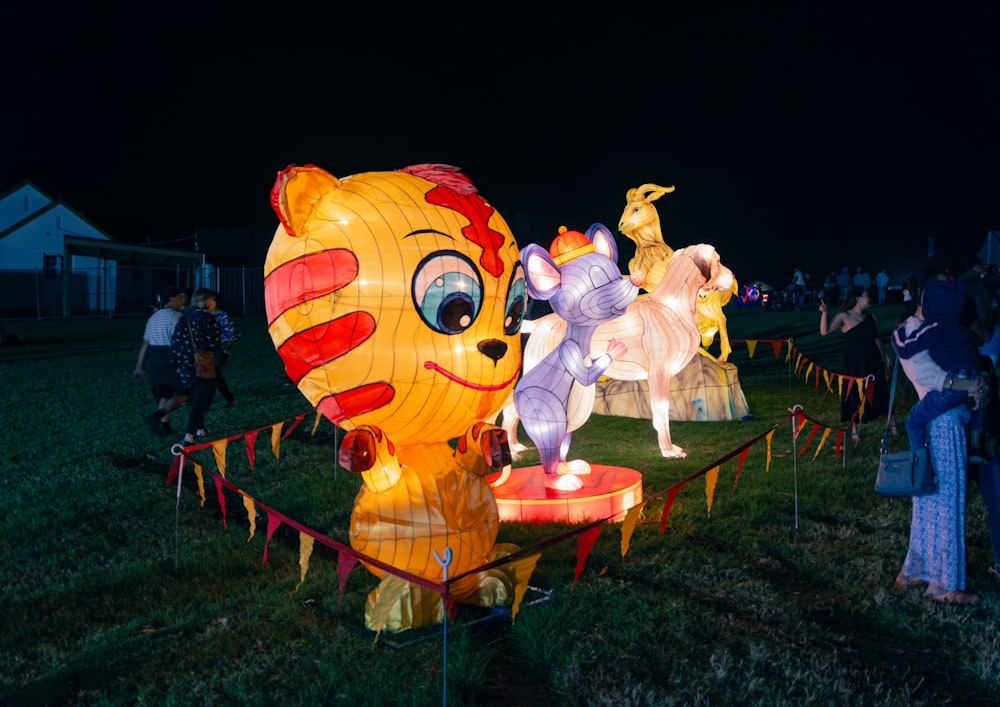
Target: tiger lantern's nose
493	348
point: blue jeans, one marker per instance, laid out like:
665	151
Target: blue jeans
930	406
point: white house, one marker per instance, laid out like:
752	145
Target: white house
54	262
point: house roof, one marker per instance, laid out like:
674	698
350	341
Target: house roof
128	254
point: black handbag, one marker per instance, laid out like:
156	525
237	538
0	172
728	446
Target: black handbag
906	473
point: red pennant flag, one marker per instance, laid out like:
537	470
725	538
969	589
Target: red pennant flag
222	498
671	495
249	439
812	434
175	468
584	544
273	521
345	563
739	465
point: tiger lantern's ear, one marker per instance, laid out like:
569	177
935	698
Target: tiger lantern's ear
296	192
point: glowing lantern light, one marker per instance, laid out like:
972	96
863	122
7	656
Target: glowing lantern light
395	301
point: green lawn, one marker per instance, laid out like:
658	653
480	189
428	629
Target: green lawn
115	592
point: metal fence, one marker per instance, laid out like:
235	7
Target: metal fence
123	290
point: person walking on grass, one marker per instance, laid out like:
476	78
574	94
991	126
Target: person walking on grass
154	360
230	334
197	331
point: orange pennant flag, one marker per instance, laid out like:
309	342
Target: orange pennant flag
219	452
201	483
305	552
776	347
822	441
711	478
248	504
628	525
276	439
521	570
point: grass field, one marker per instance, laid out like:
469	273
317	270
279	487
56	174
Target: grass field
113	592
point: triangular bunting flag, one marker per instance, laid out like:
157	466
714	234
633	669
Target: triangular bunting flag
276	439
628	525
711	478
305	552
201	483
521	570
822	441
584	544
667	504
219	452
221	496
249	440
345	563
751	347
248	504
273	521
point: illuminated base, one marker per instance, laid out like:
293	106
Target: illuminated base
608	492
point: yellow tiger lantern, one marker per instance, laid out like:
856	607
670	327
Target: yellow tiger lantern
395	301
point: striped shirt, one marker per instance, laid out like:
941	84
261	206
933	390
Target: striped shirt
160	327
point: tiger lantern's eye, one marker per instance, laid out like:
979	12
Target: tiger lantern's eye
517	297
447	292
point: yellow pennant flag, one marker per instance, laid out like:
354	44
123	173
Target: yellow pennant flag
751	347
809	370
826	378
319	416
389	595
628	525
201	483
305	552
276	439
521	570
219	452
251	514
711	478
768	438
822	441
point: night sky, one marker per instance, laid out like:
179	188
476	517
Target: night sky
795	137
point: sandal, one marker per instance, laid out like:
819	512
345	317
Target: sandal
955	596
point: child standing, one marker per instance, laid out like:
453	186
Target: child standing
950	343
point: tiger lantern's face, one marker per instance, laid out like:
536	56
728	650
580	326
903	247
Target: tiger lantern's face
395	299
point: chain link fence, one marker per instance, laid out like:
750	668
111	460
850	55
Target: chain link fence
123	290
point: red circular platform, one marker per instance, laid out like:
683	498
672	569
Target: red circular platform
608	492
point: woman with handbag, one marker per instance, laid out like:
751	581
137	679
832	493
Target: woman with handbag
936	553
192	349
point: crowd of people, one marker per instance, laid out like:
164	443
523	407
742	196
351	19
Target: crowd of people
181	327
947	341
